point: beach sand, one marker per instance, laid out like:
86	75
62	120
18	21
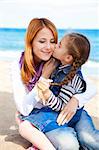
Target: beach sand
9	136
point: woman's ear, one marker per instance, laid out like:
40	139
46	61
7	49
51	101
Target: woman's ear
69	58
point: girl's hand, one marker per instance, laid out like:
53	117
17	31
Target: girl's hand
68	111
43	91
41	96
49	67
43	84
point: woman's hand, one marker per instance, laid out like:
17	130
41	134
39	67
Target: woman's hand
68	111
49	67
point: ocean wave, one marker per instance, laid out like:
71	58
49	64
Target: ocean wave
9	55
90	68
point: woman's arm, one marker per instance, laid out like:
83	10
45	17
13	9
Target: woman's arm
25	101
77	100
83	98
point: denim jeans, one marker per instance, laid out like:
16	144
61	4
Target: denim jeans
88	135
63	138
67	139
45	119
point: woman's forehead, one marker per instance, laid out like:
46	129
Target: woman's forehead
45	30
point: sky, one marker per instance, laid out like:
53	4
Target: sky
63	13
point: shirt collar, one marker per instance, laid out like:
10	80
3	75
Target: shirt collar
65	68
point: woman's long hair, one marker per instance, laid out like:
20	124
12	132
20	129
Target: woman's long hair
79	47
28	66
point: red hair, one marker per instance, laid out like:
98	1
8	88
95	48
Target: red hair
35	25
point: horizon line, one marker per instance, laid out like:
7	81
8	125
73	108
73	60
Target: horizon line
69	28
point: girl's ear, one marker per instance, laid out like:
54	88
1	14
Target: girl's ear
69	58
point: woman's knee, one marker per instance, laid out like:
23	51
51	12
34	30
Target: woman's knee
89	139
68	142
63	139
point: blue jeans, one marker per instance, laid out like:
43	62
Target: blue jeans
63	138
45	119
67	139
88	135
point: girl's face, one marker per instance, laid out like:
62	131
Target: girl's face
43	45
61	52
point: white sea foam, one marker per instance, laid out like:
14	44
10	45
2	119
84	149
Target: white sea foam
9	55
91	68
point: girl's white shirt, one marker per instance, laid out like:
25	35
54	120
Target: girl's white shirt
26	101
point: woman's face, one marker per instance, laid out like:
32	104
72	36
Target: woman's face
43	45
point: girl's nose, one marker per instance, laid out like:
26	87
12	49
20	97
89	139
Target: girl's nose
56	45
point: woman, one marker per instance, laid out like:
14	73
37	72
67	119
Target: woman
40	42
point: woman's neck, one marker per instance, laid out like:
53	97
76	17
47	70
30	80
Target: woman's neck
37	61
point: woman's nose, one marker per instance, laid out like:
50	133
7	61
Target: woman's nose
48	45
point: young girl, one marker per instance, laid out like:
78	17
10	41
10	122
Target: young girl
73	48
73	51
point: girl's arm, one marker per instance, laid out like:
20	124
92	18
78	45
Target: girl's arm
82	98
25	101
77	85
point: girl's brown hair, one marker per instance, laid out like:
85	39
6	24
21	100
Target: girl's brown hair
35	25
79	47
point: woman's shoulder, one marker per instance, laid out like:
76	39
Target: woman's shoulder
17	60
15	65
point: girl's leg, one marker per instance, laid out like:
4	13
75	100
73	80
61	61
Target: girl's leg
34	136
88	136
18	121
63	138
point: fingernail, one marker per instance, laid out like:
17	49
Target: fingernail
63	124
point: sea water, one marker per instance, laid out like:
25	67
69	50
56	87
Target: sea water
12	41
12	44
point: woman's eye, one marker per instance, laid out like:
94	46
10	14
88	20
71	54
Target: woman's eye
52	41
41	41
